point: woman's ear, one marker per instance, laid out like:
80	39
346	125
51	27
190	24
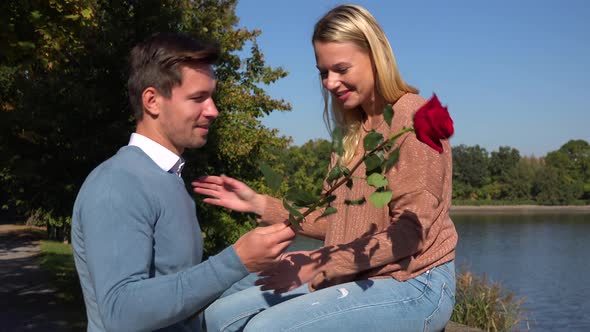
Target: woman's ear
150	99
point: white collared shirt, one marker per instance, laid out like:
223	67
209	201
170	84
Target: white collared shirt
163	157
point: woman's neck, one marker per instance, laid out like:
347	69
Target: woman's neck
373	113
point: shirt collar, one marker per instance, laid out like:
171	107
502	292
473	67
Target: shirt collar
163	157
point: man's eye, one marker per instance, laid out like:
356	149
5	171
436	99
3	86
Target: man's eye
323	74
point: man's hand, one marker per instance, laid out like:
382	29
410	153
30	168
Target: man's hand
229	193
293	270
261	247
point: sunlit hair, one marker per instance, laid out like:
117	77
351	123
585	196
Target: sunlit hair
157	62
352	23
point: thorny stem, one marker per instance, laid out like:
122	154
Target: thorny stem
347	177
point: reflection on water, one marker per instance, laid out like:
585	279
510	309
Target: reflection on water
542	257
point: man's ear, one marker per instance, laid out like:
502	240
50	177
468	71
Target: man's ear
150	99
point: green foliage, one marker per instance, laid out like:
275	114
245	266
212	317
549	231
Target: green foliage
470	165
552	187
485	305
64	107
560	178
271	178
502	162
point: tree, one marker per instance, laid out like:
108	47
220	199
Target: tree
306	166
551	188
503	162
572	161
470	165
63	72
520	179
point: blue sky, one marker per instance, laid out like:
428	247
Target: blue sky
512	73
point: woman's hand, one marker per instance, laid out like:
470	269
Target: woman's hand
293	270
229	193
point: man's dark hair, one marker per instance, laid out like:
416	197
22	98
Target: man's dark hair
157	62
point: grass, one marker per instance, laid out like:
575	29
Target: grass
485	305
57	260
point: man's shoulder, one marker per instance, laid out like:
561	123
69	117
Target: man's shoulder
127	167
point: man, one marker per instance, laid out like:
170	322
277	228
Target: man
137	242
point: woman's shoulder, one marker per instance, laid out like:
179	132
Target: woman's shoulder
404	109
409	103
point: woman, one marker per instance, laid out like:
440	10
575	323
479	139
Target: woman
388	269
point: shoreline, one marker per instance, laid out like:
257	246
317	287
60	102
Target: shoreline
519	209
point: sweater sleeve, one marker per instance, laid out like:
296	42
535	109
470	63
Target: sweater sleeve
417	181
118	243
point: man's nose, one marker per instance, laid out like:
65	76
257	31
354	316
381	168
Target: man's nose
211	110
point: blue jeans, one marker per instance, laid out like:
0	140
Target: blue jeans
424	303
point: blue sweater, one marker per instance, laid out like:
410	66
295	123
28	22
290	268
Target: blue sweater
138	249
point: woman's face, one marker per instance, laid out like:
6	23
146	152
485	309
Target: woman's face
347	72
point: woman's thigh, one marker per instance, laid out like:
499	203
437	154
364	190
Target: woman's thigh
232	312
419	304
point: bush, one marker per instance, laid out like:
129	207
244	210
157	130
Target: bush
485	305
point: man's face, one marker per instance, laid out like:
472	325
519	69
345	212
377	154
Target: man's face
186	116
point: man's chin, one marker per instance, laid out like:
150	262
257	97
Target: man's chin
198	144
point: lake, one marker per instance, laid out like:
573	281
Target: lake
541	257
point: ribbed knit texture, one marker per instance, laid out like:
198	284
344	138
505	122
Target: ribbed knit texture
408	237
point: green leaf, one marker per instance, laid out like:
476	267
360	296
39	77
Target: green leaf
300	197
391	160
349	183
271	178
328	211
387	146
337	144
355	201
337	172
294	222
36	14
87	13
294	215
330	199
380	198
372	140
388	114
292	211
373	163
72	17
377	180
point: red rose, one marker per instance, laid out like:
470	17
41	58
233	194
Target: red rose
432	123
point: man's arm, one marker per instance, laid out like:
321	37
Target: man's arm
118	238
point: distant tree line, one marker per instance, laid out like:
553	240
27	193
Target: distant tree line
562	177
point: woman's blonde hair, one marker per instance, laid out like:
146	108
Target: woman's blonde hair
352	23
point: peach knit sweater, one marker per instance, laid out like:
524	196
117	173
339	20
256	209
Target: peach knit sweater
408	237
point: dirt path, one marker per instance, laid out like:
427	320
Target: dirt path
27	302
